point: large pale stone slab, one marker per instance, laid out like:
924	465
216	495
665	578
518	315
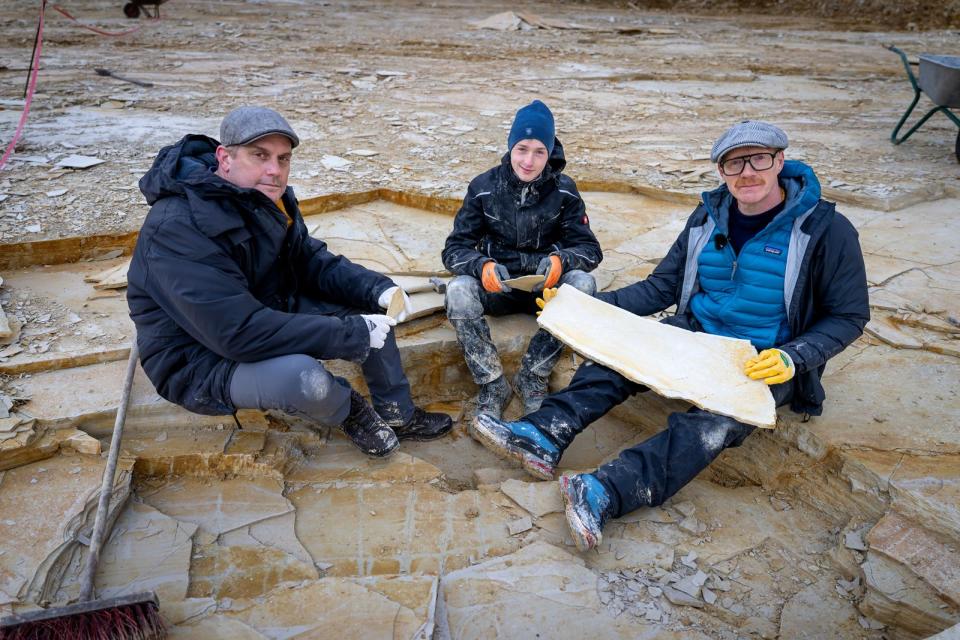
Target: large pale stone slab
539	591
335	608
703	369
897	597
147	551
930	559
220	506
818	612
46	508
407	528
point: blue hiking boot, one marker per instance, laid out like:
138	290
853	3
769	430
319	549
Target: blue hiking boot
518	440
587	508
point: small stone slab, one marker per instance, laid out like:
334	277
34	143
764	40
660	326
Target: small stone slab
395	308
538	498
521	524
79	162
704	369
525	283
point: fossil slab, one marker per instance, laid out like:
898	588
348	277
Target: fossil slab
700	368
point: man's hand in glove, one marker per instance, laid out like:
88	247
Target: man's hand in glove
552	269
379	328
493	276
773	366
387	296
548	295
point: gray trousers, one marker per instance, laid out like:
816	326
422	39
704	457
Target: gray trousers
300	385
467	301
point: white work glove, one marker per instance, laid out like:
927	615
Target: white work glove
379	327
386	296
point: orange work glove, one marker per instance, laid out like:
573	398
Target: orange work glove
552	268
492	277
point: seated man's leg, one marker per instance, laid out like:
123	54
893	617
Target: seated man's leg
300	386
539	439
654	470
388	384
544	350
465	307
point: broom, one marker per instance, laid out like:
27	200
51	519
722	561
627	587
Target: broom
132	617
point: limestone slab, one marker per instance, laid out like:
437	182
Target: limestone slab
227	571
146	551
219	506
861	412
538	498
409	528
817	612
331	608
539	591
926	489
524	283
896	597
339	461
41	549
928	557
278	533
703	369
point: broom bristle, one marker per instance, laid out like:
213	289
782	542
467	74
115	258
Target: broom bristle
135	621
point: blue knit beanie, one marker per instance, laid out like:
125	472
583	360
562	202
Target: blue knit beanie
533	122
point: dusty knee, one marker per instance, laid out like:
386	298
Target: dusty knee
580	280
463	298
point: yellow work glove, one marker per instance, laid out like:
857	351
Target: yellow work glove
773	366
548	295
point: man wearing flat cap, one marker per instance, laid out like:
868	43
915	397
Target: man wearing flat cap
235	305
762	258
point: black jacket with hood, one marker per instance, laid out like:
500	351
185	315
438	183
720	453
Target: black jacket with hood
825	289
217	278
517	224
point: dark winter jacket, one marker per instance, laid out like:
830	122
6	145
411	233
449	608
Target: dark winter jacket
825	288
517	224
217	276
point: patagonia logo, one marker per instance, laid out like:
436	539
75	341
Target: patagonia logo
774	250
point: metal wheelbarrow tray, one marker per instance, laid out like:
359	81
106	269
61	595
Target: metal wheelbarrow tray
940	80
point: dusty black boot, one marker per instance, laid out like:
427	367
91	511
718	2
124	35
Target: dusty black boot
367	430
494	397
535	367
424	425
532	390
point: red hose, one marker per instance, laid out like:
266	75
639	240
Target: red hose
31	87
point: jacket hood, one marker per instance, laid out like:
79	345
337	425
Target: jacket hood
799	182
186	169
554	167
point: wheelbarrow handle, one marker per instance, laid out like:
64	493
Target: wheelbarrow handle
906	65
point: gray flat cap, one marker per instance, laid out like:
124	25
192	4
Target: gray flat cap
749	133
246	124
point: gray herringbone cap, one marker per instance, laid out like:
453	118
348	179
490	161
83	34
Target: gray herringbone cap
246	124
749	133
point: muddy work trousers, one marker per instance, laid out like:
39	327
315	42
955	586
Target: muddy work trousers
467	302
646	474
300	385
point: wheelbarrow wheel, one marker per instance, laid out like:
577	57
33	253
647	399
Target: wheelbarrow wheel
131	10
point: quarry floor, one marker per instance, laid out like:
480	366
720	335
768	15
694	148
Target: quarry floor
845	526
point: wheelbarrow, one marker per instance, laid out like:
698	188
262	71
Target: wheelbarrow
940	80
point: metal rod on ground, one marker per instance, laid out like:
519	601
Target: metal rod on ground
106	488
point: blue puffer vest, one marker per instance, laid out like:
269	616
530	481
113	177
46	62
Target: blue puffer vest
742	296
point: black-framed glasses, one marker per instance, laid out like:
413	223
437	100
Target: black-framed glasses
759	162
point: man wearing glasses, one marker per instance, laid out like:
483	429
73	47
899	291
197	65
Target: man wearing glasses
762	258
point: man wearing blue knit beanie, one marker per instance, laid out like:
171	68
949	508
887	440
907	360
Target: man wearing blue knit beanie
522	217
